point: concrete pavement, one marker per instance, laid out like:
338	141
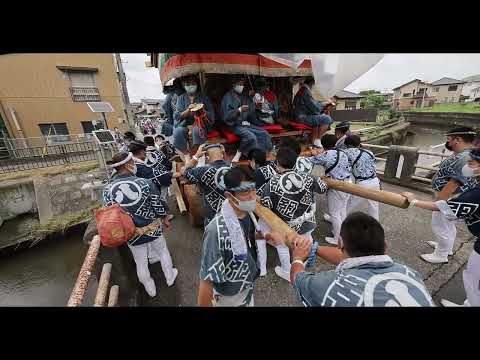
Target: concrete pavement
407	231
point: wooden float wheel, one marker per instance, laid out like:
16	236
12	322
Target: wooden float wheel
195	205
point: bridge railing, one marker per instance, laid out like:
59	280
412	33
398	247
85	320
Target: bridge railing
402	162
81	285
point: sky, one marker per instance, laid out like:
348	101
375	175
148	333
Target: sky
393	70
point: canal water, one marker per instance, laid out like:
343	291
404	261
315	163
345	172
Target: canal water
45	274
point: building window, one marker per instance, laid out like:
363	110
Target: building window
406	95
421	91
57	132
350	104
82	86
453	88
436	89
88	126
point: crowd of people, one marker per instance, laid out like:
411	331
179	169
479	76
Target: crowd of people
234	241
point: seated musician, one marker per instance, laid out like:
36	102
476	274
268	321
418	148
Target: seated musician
184	116
266	104
238	114
308	111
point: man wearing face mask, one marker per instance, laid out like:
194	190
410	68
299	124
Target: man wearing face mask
365	275
207	177
229	258
183	115
290	195
310	111
448	181
238	113
465	206
142	200
266	103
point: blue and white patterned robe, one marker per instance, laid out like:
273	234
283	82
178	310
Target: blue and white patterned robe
363	282
141	199
327	159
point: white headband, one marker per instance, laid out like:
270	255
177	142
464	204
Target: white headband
123	162
462	133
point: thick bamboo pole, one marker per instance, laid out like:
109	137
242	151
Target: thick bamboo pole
382	196
113	297
103	285
81	284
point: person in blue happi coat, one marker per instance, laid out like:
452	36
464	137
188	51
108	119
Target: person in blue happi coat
183	116
310	112
142	200
238	114
365	275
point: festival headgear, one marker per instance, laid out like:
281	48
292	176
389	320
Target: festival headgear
343	125
461	133
122	162
212	146
220	183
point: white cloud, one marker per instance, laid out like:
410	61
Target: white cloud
396	69
393	70
142	82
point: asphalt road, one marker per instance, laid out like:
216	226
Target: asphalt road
407	231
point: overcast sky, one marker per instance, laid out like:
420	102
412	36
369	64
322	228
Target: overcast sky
393	70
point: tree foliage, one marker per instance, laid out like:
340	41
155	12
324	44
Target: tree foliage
372	100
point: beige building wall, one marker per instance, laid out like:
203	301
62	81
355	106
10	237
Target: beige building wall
341	104
408	89
38	92
403	103
444	96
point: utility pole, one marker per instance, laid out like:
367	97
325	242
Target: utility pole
124	90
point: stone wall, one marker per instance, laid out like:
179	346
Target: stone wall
16	197
66	193
446	120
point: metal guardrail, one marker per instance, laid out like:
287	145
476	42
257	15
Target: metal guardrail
45	156
81	285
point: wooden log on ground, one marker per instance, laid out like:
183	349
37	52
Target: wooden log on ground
178	194
102	290
81	284
195	205
382	196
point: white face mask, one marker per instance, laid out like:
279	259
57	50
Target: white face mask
246	205
190	89
252	164
238	89
467	171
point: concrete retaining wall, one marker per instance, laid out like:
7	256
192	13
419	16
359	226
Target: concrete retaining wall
63	194
16	197
443	119
50	196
